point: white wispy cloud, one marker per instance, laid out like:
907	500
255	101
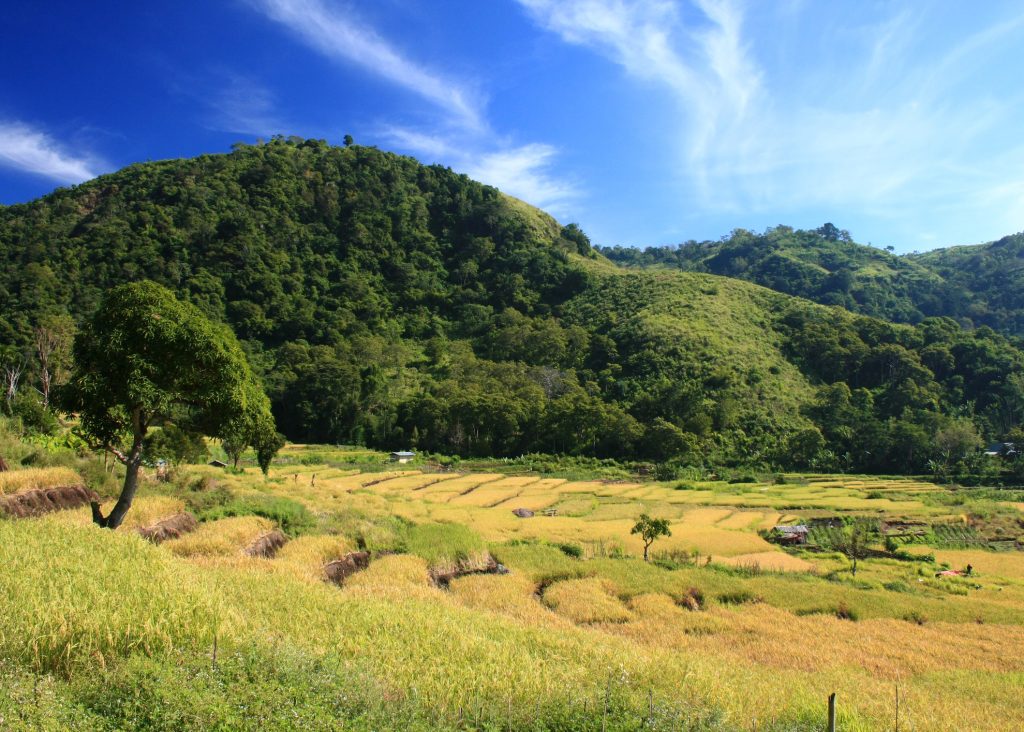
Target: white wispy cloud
524	171
463	139
243	105
706	66
30	150
338	35
868	123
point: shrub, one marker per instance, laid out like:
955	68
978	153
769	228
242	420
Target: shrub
293	517
845	612
739	597
35	418
571	550
915	617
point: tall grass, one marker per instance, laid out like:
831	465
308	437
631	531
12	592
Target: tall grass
13	481
75	605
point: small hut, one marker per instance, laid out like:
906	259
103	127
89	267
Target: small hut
401	457
790	535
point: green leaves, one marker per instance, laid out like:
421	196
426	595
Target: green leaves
146	358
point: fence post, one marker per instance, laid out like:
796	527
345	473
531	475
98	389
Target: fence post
832	712
897	707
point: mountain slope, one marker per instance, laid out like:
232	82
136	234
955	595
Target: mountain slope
992	274
977	285
394	304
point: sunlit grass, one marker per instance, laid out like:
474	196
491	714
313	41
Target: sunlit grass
766	643
306	556
220	538
586	601
13	481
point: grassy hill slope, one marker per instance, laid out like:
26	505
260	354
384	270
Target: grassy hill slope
992	274
393	304
976	285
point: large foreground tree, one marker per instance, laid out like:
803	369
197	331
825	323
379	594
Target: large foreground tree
144	359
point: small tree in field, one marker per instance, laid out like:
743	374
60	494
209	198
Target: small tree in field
650	529
145	359
852	540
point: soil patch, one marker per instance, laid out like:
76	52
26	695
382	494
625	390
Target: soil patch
348	565
169	528
267	545
443	577
38	501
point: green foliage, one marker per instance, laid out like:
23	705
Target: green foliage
444	543
293	517
174	445
980	285
390	304
145	358
852	540
650	529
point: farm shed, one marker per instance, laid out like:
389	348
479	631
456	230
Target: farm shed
401	457
1002	449
790	534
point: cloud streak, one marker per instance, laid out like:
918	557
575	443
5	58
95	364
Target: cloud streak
464	139
29	150
855	116
524	171
341	38
241	105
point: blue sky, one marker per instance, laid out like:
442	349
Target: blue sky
648	122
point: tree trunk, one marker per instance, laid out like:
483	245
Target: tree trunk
131	482
645	551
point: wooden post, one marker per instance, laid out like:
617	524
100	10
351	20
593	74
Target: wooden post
897	707
832	712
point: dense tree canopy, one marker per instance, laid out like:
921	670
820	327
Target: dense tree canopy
976	285
387	303
146	359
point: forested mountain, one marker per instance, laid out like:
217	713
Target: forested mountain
992	274
394	304
976	285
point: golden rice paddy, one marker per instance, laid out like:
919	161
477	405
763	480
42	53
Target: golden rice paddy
13	481
771	638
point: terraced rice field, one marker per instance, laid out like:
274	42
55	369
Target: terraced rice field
744	628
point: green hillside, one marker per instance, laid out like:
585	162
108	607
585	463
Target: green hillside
392	304
976	285
992	273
